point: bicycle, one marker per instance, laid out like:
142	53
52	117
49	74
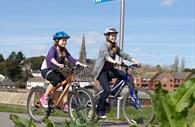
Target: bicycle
137	102
80	101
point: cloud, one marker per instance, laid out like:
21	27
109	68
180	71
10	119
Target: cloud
24	40
168	3
30	45
136	50
91	38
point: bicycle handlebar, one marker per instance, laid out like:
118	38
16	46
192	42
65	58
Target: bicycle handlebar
130	66
133	68
76	69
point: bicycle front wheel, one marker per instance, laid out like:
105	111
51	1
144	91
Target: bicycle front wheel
140	113
81	106
35	110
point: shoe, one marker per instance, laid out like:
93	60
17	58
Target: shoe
43	101
101	115
65	107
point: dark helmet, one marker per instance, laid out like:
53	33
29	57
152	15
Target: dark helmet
110	30
60	35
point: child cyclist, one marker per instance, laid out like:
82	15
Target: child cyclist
54	60
104	67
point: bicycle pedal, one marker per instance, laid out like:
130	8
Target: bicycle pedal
52	110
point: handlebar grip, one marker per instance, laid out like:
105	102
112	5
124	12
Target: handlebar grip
136	65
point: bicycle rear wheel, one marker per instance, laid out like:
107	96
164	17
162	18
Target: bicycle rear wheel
81	106
35	110
142	114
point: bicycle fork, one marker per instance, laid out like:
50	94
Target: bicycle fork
134	97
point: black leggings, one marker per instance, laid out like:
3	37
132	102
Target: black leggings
103	78
54	76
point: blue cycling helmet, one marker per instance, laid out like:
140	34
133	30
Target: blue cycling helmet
60	35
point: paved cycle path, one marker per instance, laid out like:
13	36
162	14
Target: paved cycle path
6	122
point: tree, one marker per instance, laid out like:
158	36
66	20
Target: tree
158	68
1	58
36	62
20	56
12	56
13	70
176	64
2	67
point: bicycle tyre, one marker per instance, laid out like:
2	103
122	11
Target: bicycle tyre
133	115
94	90
84	108
34	105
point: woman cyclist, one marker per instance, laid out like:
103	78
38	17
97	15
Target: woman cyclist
104	67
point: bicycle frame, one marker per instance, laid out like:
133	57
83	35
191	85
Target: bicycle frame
132	92
67	84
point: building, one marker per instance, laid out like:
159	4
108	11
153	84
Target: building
166	79
83	57
192	76
180	77
7	85
36	81
36	73
147	80
1	78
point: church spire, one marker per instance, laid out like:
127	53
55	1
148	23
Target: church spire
82	57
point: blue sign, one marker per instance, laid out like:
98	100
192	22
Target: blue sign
100	1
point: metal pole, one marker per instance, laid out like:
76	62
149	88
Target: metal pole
122	19
119	100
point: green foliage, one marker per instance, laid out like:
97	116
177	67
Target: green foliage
172	109
21	122
12	67
2	67
13	70
1	58
49	123
36	62
78	124
21	85
12	56
190	70
20	56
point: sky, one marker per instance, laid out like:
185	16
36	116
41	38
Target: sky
155	30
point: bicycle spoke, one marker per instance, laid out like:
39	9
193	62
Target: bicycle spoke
35	110
141	115
83	106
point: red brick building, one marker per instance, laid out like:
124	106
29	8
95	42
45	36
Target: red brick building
146	80
180	77
166	79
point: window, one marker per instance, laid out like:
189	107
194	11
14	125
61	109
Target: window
164	85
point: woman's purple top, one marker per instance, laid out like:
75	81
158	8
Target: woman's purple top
53	54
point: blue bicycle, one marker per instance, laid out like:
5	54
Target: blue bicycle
137	102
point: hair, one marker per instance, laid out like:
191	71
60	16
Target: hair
113	48
60	51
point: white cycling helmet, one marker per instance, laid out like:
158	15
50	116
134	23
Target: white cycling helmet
110	30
